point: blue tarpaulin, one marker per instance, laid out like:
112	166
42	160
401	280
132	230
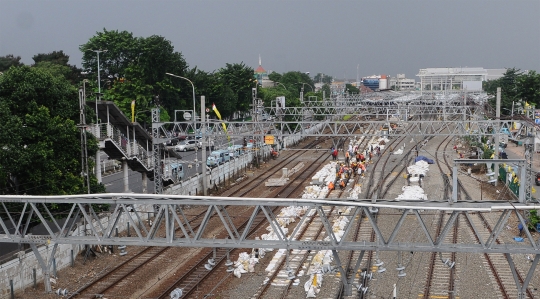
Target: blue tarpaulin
422	158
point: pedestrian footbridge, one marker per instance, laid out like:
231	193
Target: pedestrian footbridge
122	139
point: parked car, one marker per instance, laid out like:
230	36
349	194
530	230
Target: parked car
212	161
172	142
537	179
221	156
236	149
186	145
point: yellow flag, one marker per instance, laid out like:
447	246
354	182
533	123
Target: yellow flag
219	117
216	111
133	111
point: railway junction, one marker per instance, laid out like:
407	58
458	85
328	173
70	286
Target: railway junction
459	238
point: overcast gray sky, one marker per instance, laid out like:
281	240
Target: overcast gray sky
332	37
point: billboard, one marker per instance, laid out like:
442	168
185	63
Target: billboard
269	139
280	102
537	116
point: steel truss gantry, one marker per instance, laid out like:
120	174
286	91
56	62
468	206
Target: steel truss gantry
170	215
173	205
339	128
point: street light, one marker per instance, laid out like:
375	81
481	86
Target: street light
282	85
193	87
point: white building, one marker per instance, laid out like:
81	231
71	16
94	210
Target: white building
459	78
400	82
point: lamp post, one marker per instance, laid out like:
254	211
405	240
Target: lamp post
282	85
193	90
98	159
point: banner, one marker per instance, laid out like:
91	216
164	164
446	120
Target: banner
219	117
133	111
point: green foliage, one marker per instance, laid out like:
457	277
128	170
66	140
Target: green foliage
516	87
56	62
133	68
38	134
351	89
56	57
533	219
322	78
233	88
488	152
347	117
8	61
56	70
276	77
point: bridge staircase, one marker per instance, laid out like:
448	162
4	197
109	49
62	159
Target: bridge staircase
121	139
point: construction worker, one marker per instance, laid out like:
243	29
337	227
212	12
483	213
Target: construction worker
347	157
342	184
334	154
331	185
361	169
362	158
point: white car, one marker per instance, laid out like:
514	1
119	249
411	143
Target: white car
187	145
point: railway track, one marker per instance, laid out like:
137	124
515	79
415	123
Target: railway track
111	281
311	229
194	277
500	271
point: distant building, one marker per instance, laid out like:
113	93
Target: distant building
261	75
469	78
376	82
400	82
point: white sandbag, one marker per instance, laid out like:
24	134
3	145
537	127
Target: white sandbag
237	273
311	293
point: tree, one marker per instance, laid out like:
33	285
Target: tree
57	63
516	87
508	84
351	89
274	77
237	81
133	68
322	78
528	87
57	57
38	135
8	61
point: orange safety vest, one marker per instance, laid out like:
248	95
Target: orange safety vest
331	186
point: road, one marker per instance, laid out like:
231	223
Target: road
114	183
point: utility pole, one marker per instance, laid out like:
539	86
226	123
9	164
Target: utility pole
497	129
98	159
204	143
82	125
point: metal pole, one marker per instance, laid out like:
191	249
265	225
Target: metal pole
193	94
125	171
203	135
98	165
497	129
